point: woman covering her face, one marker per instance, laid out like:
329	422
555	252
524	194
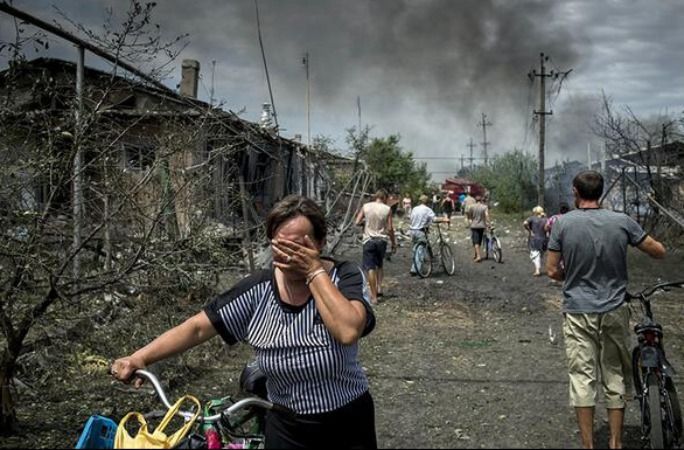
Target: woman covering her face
304	317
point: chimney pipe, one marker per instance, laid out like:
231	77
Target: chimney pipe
189	78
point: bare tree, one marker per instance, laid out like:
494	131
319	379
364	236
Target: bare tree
148	190
626	135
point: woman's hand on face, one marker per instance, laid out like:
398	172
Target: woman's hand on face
293	257
123	369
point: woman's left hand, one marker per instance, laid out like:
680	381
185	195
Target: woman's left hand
293	257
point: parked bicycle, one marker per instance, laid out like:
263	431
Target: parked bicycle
225	423
492	245
424	255
661	418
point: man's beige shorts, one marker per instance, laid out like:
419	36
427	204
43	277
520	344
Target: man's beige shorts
598	343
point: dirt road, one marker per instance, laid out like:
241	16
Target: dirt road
462	361
467	361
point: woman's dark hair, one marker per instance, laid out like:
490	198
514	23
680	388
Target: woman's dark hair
589	185
564	207
293	206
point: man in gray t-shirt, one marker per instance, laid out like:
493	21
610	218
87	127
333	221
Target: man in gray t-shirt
592	244
478	216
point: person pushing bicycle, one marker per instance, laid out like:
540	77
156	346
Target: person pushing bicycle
421	218
592	244
304	317
478	220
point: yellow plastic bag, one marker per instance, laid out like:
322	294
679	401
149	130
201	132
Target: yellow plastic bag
157	439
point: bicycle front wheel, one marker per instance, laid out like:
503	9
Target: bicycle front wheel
447	257
674	413
423	261
655	413
498	254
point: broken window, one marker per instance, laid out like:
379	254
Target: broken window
138	156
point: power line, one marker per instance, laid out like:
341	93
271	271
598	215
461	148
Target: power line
443	157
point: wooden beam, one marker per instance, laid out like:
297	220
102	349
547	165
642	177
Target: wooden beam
6	8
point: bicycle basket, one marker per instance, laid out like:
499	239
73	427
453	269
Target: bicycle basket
98	432
158	438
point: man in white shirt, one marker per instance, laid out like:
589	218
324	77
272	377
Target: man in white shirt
421	218
376	218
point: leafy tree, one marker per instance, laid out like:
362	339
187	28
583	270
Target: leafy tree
394	168
510	178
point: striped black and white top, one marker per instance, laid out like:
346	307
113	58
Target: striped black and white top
307	370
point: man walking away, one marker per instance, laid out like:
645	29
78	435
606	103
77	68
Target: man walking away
467	202
377	230
592	244
478	217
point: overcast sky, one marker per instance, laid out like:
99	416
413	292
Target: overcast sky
425	69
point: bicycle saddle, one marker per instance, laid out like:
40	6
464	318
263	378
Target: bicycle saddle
253	380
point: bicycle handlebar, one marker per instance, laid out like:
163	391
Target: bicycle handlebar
232	409
649	291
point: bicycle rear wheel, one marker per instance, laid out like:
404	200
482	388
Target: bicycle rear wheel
655	412
423	261
447	257
636	373
498	254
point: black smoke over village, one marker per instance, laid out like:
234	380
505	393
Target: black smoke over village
423	69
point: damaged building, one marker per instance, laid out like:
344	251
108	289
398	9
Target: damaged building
637	183
205	160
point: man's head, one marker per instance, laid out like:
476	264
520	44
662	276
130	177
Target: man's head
381	195
423	199
478	198
587	185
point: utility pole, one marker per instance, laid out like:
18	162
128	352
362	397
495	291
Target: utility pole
542	113
471	145
358	150
462	161
77	182
308	99
268	78
484	124
358	107
213	74
589	155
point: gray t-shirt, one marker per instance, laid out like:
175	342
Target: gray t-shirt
477	214
593	245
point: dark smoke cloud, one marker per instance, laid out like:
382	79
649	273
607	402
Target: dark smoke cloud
425	69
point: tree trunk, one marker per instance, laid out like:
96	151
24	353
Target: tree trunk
8	414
